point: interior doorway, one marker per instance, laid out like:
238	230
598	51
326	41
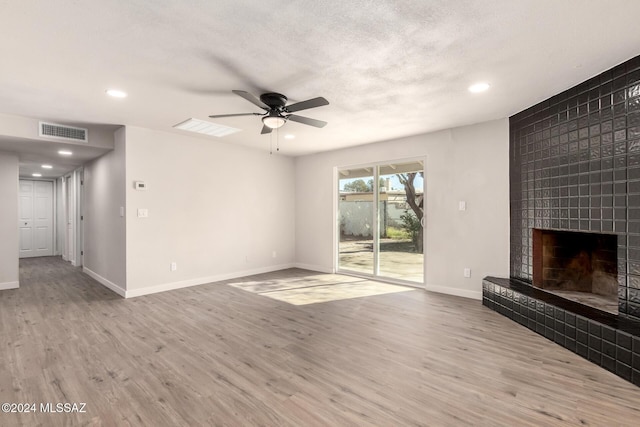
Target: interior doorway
36	219
381	220
72	206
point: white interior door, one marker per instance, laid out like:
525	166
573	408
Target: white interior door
79	257
36	218
69	218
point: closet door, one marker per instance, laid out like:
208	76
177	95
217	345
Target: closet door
35	223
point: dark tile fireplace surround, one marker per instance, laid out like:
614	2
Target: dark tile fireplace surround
574	166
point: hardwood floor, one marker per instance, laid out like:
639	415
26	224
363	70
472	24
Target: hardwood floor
219	355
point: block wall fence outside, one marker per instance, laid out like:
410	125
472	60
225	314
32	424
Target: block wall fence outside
356	217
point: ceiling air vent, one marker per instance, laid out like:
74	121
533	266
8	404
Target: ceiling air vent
68	133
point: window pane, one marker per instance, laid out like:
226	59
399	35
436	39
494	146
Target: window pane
356	220
400	212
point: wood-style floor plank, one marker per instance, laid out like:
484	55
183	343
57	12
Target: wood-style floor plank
221	355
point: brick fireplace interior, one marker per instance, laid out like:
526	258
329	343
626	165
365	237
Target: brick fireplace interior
581	267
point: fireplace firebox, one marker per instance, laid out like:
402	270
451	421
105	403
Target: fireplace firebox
578	266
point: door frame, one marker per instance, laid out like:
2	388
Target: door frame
72	186
376	234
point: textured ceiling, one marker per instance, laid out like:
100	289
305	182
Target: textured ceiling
389	69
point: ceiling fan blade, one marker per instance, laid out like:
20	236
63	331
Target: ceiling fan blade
307	121
234	115
251	98
309	103
265	129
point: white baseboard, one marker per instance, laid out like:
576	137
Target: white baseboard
115	288
465	293
9	285
455	291
312	267
203	280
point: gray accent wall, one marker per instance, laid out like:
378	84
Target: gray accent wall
9	221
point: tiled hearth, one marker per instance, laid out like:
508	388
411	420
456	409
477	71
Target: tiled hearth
607	340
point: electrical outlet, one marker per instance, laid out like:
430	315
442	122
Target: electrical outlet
467	272
174	266
143	213
274	254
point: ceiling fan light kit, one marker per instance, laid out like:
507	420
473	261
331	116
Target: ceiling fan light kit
273	121
277	112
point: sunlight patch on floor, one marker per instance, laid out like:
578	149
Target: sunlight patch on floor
305	292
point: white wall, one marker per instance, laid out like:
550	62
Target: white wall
469	163
9	221
104	228
217	210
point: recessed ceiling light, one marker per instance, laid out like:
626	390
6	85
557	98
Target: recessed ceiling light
289	136
65	152
47	166
116	93
207	128
36	174
479	87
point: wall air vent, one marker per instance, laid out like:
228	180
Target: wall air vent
68	133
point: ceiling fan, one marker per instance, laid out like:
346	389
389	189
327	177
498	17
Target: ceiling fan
277	112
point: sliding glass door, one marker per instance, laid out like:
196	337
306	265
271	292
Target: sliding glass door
381	220
356	219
